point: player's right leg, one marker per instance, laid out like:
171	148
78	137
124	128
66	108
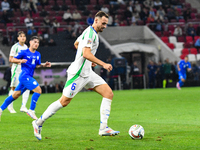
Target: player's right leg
105	109
9	100
181	81
14	83
10	107
101	87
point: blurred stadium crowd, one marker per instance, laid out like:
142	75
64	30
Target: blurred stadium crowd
174	21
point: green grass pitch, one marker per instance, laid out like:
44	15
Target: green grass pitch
170	119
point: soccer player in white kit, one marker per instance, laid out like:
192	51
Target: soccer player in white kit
80	75
16	70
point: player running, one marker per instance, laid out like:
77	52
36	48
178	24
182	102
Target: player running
80	75
183	67
29	60
16	70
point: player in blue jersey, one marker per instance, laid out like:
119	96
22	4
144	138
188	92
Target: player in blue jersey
29	60
183	67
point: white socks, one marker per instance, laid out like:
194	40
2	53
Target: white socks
50	111
25	96
10	93
55	106
105	112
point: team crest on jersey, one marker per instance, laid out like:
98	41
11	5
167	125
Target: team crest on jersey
89	42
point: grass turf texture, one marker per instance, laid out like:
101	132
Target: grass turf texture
170	119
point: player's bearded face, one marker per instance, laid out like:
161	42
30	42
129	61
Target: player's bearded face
102	23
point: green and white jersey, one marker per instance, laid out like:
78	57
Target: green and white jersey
81	66
16	48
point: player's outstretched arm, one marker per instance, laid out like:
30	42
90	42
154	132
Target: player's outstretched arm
46	64
19	61
89	56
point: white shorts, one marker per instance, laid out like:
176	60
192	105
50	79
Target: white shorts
14	79
76	83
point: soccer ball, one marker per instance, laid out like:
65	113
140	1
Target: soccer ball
136	132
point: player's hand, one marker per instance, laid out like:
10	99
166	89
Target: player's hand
94	65
47	64
107	67
23	61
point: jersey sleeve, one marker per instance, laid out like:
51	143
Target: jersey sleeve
88	38
79	38
13	50
39	59
20	55
179	62
189	65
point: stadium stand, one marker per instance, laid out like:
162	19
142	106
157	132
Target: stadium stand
118	14
191	57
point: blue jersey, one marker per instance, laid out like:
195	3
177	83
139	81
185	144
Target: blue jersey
33	59
184	66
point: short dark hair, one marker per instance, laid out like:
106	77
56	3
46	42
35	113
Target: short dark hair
20	32
34	37
101	14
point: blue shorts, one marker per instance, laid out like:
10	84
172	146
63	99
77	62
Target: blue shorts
26	82
182	75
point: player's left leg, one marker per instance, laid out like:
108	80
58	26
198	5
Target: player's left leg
37	92
33	85
53	108
73	85
50	111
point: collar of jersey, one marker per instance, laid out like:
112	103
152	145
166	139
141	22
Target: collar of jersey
93	29
19	44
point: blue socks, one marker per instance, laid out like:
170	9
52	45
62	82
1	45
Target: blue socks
34	100
181	83
10	99
7	102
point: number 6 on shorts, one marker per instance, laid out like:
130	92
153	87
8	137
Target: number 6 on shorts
73	86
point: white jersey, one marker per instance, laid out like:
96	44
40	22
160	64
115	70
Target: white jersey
16	48
81	66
